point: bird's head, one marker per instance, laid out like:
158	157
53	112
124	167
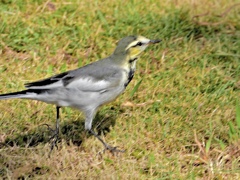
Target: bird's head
132	46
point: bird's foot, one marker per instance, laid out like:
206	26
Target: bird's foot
112	149
54	137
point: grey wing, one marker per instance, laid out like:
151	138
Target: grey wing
99	80
84	79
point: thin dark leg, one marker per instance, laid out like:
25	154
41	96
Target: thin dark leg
56	131
108	147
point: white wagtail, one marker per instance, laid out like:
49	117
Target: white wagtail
89	87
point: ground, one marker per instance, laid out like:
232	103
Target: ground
179	118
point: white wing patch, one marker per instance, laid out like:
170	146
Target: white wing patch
89	84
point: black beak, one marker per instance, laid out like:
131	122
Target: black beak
155	41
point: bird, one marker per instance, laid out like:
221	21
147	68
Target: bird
89	87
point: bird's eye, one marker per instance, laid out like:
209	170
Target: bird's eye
138	44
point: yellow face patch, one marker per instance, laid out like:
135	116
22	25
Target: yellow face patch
134	52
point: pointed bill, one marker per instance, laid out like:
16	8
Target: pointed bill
155	41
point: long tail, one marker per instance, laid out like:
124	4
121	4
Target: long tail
29	93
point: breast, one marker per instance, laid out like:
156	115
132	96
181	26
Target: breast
130	71
129	77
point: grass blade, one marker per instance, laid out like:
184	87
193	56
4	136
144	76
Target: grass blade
232	131
238	114
135	88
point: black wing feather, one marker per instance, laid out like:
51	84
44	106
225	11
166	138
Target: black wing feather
47	81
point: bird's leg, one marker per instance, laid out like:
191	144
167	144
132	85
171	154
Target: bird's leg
54	137
107	147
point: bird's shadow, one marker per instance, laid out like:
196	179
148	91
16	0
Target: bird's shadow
71	131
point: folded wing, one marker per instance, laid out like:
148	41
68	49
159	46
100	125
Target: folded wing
83	79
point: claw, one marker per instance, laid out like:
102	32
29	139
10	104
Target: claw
50	129
107	147
53	139
113	150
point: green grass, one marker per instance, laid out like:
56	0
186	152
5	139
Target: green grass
178	119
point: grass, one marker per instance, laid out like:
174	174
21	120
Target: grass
179	117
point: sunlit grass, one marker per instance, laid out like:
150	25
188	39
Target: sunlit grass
179	117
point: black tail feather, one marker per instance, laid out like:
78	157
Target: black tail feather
20	94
